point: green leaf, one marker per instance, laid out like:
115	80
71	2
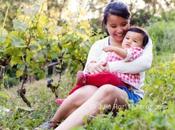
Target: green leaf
4	95
19	25
39	56
18	42
19	73
15	60
3	35
33	47
31	11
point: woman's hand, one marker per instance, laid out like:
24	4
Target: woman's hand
97	67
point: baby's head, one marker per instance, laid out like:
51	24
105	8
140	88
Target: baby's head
135	37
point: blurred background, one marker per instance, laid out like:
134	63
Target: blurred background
41	39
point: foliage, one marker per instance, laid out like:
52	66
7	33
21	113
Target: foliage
29	43
169	16
141	17
36	40
162	34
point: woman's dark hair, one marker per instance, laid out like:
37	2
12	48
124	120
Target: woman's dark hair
117	8
141	31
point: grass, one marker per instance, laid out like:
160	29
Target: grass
42	100
155	112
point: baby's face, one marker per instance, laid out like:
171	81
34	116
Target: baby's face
132	39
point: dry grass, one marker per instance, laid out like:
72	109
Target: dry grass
37	92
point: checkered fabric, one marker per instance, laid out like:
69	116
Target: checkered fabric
133	53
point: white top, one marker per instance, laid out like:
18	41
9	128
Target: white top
139	65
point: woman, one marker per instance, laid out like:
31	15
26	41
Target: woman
88	99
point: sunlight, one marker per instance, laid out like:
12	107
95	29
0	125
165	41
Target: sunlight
73	5
76	7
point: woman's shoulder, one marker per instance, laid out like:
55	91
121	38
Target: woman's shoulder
101	42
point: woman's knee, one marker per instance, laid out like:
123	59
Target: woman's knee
107	89
110	94
82	94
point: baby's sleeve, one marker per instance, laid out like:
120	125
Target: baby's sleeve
133	53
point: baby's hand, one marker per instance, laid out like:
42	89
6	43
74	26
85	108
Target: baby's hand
105	65
108	49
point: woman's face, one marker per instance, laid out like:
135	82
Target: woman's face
117	27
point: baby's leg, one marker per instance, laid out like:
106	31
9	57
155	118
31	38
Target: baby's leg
81	78
80	81
104	78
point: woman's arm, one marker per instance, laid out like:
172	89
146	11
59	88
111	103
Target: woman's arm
95	54
140	64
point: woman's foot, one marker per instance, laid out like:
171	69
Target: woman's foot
59	101
47	125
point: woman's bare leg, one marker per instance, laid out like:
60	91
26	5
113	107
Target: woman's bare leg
73	101
106	94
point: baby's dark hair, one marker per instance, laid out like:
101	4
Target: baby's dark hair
141	31
117	8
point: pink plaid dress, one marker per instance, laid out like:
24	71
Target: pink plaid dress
133	53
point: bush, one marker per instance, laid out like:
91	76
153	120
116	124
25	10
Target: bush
162	34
